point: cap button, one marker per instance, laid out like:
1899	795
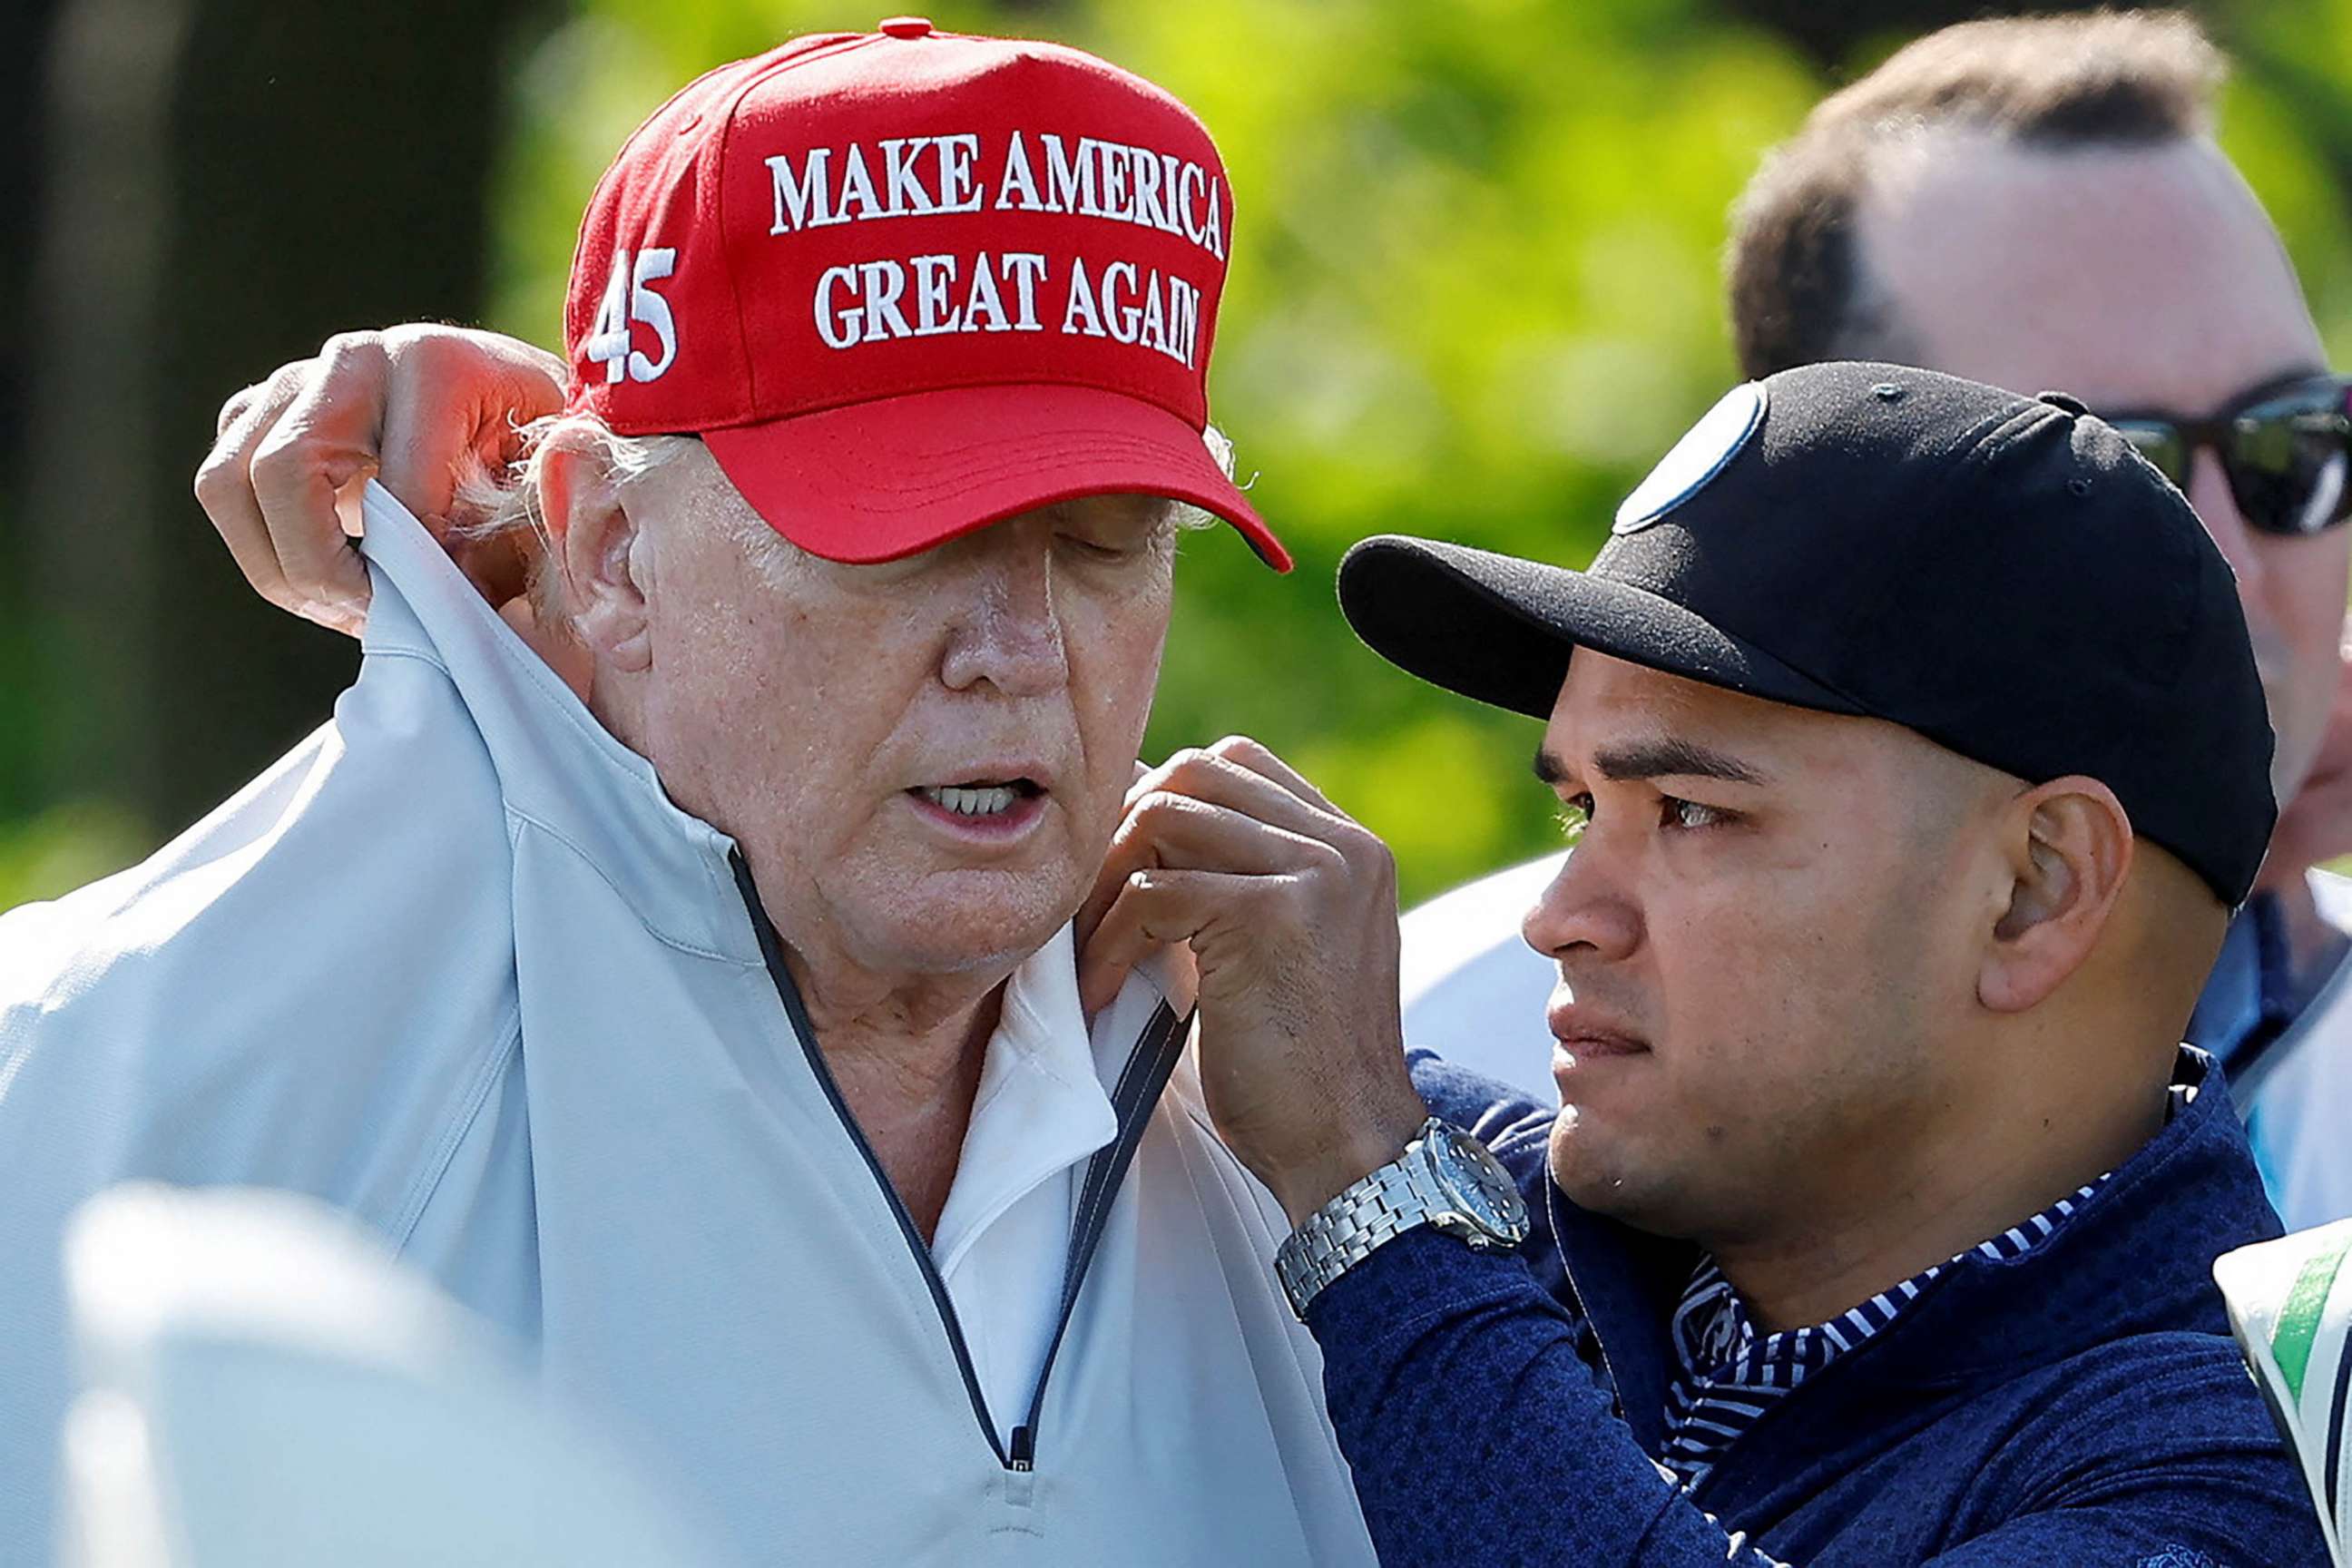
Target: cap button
2063	401
907	27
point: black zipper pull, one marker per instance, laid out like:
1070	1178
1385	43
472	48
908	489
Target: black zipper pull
1023	1457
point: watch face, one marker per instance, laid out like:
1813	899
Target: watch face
1482	1188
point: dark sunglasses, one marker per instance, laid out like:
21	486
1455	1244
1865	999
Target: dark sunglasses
2285	446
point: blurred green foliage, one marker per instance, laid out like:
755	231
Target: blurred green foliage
1475	291
65	847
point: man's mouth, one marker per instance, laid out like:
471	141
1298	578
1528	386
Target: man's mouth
1586	1036
981	797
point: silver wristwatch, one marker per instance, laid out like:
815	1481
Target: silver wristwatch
1445	1178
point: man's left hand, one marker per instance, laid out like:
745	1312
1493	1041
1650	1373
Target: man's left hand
1289	908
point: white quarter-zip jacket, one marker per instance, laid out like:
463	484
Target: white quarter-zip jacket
458	966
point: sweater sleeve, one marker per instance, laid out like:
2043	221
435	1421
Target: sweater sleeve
1476	1433
2112	1473
1478	1436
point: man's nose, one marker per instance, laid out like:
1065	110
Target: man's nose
2208	493
1009	635
1585	906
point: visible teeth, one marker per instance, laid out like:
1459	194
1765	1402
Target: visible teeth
984	800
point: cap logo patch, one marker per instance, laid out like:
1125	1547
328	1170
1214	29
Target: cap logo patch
1697	458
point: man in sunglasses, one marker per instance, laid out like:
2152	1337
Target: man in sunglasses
2040	204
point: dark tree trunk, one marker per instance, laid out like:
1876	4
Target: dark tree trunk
227	183
22	141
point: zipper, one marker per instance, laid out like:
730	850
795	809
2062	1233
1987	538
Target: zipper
1132	1100
1138	1091
772	950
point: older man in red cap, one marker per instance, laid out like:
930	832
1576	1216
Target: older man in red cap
708	1016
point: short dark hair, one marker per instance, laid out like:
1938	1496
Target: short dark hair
1799	293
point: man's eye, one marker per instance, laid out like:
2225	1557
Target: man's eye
1575	816
1680	813
1122	545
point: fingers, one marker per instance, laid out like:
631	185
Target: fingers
1107	883
1208	779
417	406
1240	774
456	401
1163	830
325	440
1233	810
224	487
1243	751
233	409
423	445
1157	908
1168	829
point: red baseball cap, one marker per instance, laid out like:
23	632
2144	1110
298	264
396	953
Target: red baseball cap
906	284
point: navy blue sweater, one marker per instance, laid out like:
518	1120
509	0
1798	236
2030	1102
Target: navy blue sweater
2079	1406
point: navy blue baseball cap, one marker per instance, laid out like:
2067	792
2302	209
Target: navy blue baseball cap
2004	575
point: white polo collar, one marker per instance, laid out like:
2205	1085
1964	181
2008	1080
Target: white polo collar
1041	1108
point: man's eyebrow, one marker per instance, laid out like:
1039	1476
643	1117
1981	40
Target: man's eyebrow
1670	756
1662	758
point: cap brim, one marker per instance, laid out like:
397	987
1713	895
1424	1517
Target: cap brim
1500	630
878	480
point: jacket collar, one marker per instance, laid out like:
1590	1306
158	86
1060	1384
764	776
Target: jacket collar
1627	1282
558	767
2189	1194
1040	1109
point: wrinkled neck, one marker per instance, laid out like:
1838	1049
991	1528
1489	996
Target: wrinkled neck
905	1053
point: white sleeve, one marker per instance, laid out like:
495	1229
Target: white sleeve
305	990
1474	991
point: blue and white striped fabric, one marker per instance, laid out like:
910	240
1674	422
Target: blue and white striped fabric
1728	1375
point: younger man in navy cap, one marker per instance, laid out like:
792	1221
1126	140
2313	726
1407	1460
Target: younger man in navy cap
1918	756
2039	202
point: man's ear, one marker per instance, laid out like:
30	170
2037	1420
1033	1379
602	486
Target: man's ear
2069	848
597	549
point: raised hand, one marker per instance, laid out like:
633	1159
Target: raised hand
1290	908
415	407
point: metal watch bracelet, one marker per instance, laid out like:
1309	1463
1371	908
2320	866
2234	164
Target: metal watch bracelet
1367	1214
1403	1194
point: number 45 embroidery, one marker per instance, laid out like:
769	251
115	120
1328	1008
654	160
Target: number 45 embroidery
630	298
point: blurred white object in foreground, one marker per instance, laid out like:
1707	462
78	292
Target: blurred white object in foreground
2291	1307
263	1385
1473	991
